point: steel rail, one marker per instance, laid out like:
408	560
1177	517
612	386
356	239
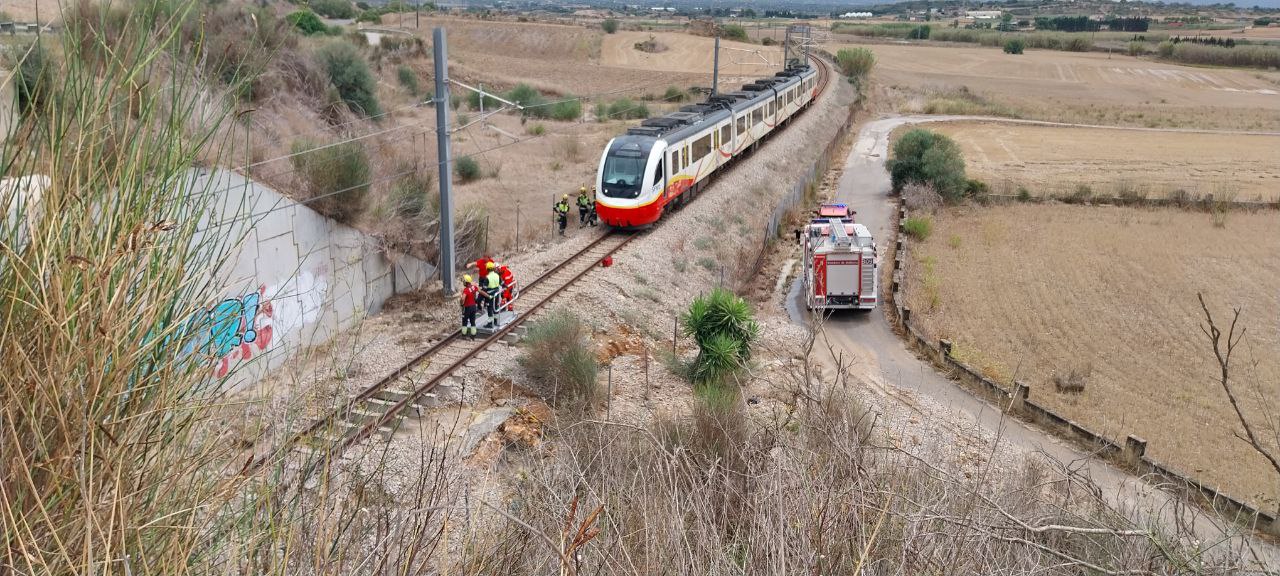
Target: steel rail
340	414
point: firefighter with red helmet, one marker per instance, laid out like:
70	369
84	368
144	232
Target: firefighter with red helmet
508	280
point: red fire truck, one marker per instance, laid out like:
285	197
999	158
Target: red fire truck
840	262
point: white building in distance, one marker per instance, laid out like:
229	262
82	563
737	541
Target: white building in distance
984	14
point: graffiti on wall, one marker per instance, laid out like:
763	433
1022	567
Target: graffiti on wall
238	329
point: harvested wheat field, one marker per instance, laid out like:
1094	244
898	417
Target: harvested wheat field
565	59
1083	88
1048	160
679	52
1035	292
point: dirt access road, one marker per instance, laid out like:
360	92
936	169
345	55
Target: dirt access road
865	186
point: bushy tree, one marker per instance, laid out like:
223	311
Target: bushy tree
919	32
609	25
350	75
928	158
1014	46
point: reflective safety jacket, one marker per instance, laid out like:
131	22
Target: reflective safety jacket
561	207
492	281
584	201
508	278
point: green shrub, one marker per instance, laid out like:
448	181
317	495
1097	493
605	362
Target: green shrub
536	129
855	62
734	32
609	25
1165	49
674	94
925	157
409	79
559	360
625	109
1136	48
724	327
412	195
473	100
307	23
350	75
567	109
1024	195
467	169
340	9
1014	46
526	95
918	227
920	32
371	16
336	178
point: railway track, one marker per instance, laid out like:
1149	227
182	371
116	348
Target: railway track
824	72
380	408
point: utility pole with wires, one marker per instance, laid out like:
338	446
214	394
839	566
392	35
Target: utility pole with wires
448	257
446	264
715	67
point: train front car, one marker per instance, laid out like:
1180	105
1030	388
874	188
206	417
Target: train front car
630	181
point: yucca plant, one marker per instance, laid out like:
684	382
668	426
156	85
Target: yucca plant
724	328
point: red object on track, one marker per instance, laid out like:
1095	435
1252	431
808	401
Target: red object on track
607	261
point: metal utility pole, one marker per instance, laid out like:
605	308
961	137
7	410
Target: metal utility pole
715	68
446	173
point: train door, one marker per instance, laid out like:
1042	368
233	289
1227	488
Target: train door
660	180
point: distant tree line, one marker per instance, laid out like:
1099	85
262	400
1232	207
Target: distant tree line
1067	23
1205	40
1084	24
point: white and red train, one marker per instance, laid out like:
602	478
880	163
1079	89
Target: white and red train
667	160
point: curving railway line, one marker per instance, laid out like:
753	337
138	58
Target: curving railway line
379	408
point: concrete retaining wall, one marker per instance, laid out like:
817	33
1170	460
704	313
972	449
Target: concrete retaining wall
1017	401
297	279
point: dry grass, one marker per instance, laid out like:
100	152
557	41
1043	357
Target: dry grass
1047	160
816	488
1051	290
1085	88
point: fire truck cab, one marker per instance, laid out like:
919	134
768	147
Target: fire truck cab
840	261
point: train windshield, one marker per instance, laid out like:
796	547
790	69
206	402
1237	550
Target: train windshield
624	168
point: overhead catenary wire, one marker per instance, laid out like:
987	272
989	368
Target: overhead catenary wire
481	153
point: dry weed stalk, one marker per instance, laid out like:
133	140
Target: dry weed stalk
1224	345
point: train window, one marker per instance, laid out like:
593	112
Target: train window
702	147
658	176
742	123
724	134
757	115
